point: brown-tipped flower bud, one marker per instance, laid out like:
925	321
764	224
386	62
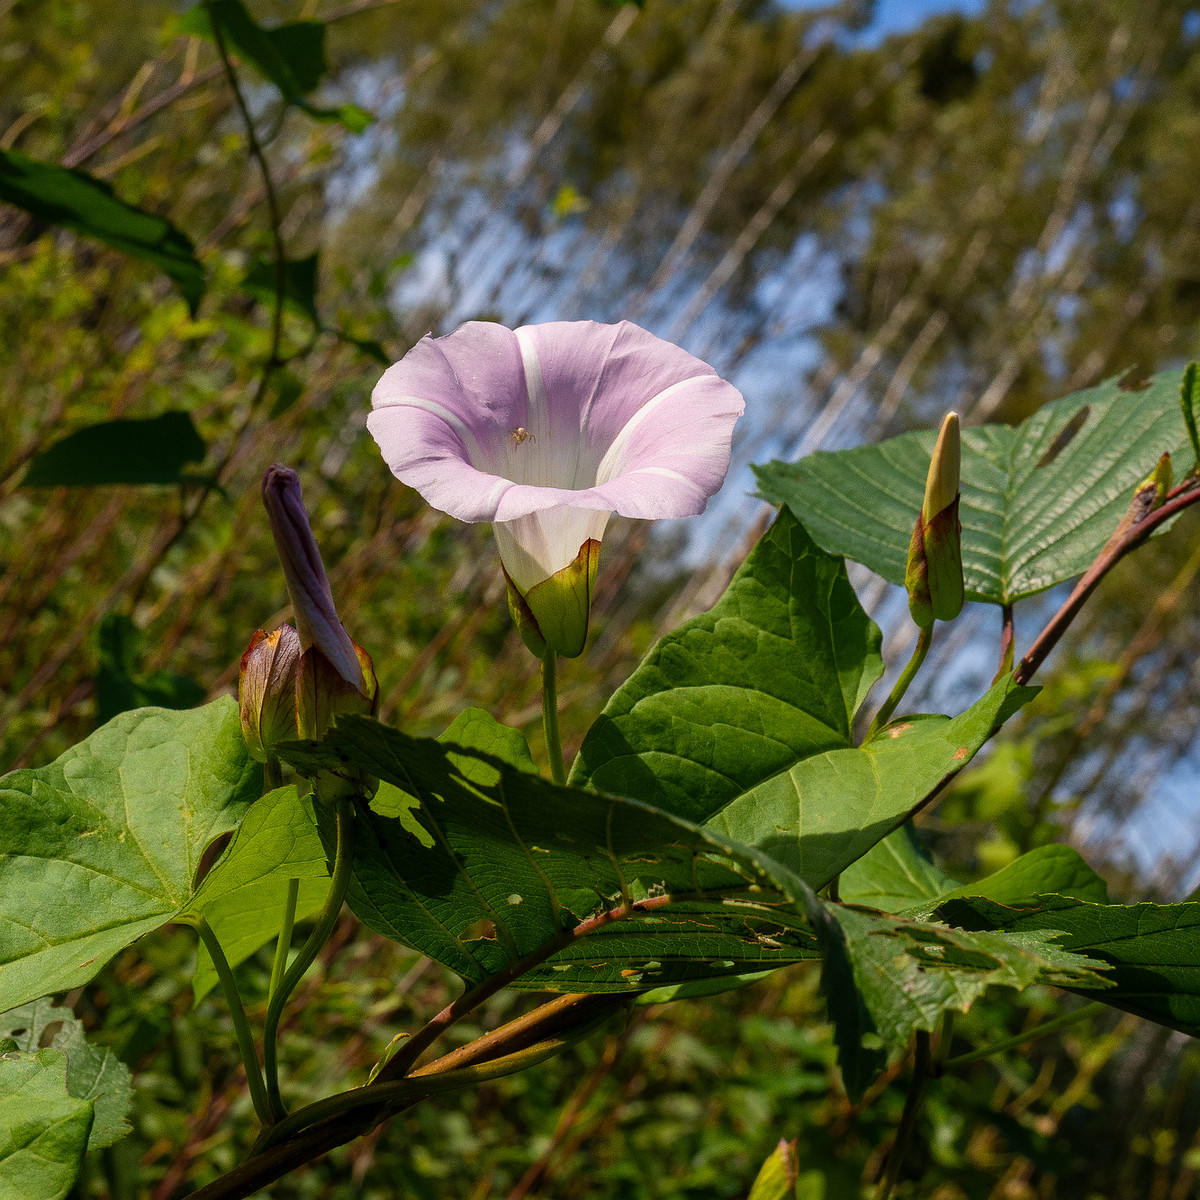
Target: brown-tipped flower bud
267	690
934	574
312	602
322	696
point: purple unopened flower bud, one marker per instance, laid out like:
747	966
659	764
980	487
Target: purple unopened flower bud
307	585
267	690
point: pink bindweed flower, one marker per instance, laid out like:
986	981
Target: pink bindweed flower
546	431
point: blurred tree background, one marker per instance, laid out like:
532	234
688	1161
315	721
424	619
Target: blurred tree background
983	210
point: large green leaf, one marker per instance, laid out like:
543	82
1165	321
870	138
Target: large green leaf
831	808
88	206
509	865
1039	500
102	845
43	1129
1153	949
93	1074
770	676
129	450
896	875
243	897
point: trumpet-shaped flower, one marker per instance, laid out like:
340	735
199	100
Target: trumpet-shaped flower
547	430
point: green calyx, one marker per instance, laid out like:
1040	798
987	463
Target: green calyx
554	614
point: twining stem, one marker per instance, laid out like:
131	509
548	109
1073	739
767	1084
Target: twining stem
428	1082
245	1039
1030	1035
343	860
1129	535
558	770
906	677
908	1118
284	944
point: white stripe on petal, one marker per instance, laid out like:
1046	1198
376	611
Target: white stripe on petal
474	451
610	464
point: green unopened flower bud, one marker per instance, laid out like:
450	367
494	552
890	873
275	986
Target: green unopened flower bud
554	614
934	574
1160	479
267	690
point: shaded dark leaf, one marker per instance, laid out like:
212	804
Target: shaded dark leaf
88	206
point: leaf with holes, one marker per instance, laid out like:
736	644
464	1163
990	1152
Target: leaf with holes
910	972
243	897
43	1128
1039	499
93	1074
102	845
1153	950
575	890
89	206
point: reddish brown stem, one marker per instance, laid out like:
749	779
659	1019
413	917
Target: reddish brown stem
1007	644
1186	494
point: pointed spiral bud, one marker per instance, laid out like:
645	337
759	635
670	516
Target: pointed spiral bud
307	584
333	676
934	574
267	690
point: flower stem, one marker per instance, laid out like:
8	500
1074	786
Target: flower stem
1030	1035
272	775
906	677
245	1039
284	944
908	1118
342	861
558	770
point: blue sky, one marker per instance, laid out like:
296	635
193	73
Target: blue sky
896	16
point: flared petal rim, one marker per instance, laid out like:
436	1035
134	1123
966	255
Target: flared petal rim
493	424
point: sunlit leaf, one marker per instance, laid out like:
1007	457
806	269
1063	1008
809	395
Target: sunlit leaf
243	897
511	864
1039	499
93	1074
89	206
43	1129
770	676
102	845
827	810
896	876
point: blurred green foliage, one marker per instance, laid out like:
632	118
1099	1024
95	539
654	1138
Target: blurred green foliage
1001	209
